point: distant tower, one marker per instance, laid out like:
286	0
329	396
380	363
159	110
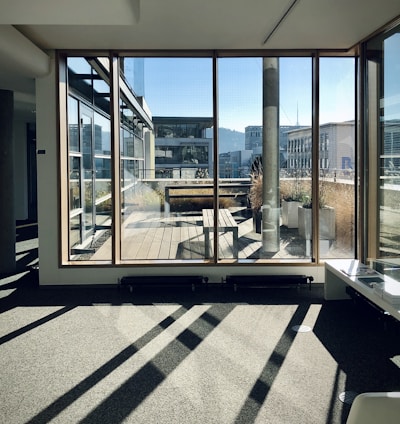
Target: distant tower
134	73
253	137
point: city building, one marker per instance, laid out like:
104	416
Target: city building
336	147
182	148
253	141
253	136
235	164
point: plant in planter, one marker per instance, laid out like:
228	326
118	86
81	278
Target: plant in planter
293	195
326	217
255	199
290	212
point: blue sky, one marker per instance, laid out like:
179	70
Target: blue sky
183	87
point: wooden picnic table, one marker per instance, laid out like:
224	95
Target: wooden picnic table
226	222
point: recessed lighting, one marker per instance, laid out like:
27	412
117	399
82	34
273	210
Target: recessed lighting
348	397
396	360
301	328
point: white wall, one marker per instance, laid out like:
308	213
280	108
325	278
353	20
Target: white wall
50	272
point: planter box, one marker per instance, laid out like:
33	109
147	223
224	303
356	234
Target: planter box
290	214
326	223
257	218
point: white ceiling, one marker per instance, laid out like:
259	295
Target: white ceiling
192	24
197	24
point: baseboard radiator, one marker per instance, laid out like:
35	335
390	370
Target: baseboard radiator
149	281
268	281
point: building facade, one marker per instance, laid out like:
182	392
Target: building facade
182	149
235	164
336	147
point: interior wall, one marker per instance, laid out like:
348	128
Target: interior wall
20	169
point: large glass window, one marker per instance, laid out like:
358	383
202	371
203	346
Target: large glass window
153	160
383	72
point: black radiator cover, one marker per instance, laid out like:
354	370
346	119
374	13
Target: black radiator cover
143	281
275	281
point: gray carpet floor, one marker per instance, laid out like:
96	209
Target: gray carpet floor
90	355
213	356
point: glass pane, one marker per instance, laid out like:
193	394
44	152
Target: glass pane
89	160
102	180
264	156
102	141
74	182
296	156
163	200
80	77
240	111
337	158
75	229
73	127
389	134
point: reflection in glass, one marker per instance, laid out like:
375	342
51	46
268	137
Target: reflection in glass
337	158
89	160
389	147
73	127
74	182
75	229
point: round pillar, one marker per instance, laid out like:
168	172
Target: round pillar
271	203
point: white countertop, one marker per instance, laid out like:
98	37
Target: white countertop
380	289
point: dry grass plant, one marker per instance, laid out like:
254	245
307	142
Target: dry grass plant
255	194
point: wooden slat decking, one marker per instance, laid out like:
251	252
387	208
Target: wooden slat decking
148	236
155	237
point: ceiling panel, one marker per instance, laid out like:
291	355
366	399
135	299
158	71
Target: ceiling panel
206	24
71	12
332	24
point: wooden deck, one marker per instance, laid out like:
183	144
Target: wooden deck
149	235
152	236
162	238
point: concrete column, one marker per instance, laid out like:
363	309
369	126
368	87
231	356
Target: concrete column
271	203
7	213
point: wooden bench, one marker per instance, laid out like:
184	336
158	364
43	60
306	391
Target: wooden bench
196	191
226	222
